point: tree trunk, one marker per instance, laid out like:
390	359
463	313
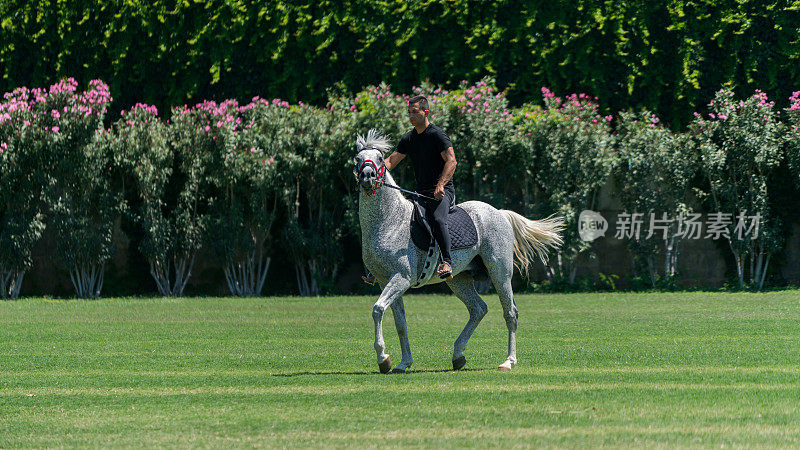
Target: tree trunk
764	273
87	280
10	283
246	278
302	280
162	274
739	265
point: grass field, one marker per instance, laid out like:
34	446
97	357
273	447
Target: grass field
685	369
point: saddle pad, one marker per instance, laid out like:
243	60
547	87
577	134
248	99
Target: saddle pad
461	229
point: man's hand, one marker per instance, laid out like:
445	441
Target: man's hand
438	193
449	158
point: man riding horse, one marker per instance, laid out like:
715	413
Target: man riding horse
488	242
434	163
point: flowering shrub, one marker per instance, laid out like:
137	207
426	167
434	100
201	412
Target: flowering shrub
233	176
653	176
793	133
740	145
377	107
480	124
246	186
199	138
318	219
22	181
139	142
572	158
50	166
83	204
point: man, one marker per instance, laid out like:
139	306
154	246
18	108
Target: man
434	163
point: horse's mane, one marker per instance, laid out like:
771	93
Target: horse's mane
375	140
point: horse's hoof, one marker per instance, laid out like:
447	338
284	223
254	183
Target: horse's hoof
386	365
398	370
506	366
459	362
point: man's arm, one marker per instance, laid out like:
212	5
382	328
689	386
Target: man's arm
394	159
449	157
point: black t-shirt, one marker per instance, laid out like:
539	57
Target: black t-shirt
425	150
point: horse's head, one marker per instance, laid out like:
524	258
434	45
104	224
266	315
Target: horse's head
370	166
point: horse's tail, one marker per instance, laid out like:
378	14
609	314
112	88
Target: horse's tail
533	237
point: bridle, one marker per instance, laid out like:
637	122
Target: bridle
378	180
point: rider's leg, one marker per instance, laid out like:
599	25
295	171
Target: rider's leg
439	212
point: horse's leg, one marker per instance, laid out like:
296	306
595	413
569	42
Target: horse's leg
463	287
391	292
500	264
510	313
402	332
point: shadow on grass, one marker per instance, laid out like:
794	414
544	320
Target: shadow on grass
411	372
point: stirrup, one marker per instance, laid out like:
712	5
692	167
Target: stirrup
368	279
445	275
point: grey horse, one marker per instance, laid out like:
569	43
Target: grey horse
391	256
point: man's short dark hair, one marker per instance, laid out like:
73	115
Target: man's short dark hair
422	100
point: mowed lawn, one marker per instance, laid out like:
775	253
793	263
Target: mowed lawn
635	370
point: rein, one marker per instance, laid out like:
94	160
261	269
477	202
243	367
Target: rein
380	182
415	194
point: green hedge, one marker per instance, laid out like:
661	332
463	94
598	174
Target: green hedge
668	57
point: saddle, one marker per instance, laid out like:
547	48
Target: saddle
459	225
463	234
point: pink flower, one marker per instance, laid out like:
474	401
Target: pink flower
252	150
55	129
